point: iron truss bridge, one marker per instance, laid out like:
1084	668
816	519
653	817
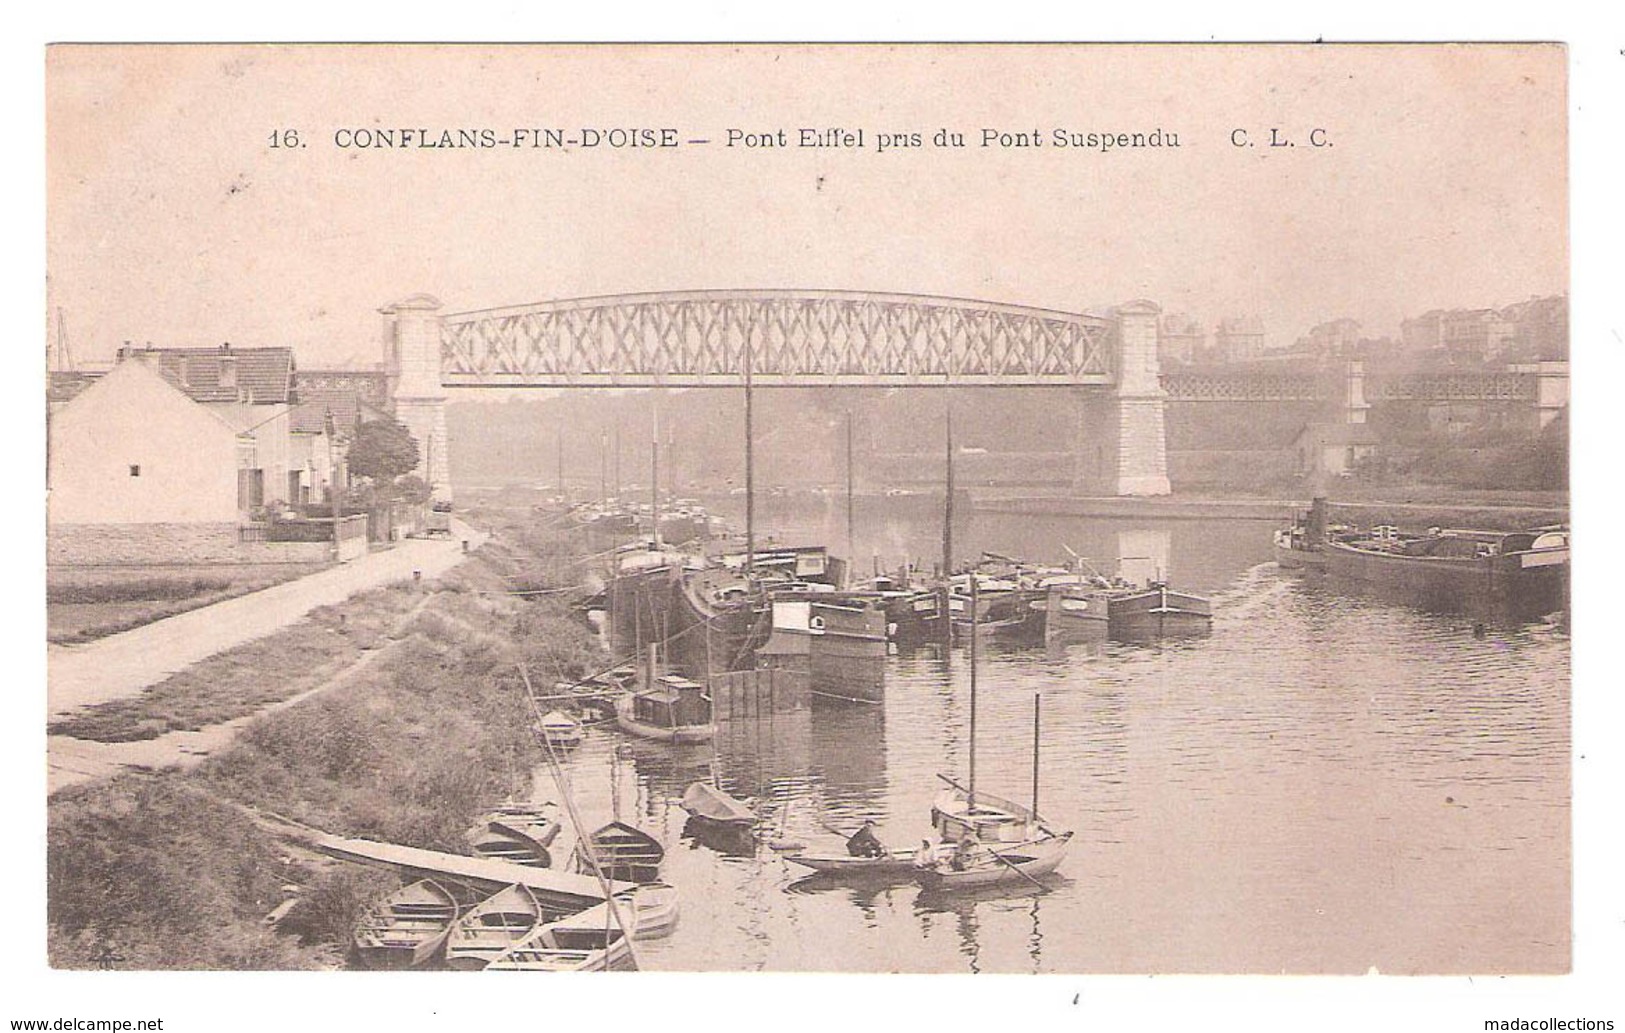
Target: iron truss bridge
789	338
1242	387
1474	386
1252	386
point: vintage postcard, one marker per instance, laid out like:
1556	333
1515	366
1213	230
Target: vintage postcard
1072	510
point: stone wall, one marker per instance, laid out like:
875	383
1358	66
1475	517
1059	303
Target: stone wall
138	545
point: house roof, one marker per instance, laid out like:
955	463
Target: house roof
346	407
80	383
263	376
65	385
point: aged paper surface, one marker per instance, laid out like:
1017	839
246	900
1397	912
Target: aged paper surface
1166	295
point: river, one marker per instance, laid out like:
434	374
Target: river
1325	784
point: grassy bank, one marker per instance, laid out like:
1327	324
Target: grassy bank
244	680
172	870
84	610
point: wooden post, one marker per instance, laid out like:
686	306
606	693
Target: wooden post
1037	699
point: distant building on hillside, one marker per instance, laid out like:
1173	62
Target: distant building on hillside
1477	334
1239	339
1181	340
1334	339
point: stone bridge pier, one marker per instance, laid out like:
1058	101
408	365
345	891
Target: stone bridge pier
412	357
1122	444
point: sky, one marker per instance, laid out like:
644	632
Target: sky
172	219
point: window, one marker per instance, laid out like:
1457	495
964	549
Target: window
135	469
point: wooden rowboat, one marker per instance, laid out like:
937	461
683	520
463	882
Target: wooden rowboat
500	921
624	853
654	907
516	832
997	864
560	729
539	821
587	942
406	928
896	865
705	801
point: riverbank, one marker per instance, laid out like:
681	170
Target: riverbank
181	869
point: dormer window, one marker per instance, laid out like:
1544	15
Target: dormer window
228	371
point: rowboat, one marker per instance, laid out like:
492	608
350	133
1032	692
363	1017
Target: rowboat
654	907
492	926
515	832
560	729
708	803
506	844
406	928
895	865
537	821
995	864
624	853
591	941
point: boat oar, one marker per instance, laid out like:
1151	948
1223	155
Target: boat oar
1012	866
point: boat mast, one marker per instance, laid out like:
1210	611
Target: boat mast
971	801
603	467
948	506
617	458
851	549
750	466
562	493
654	477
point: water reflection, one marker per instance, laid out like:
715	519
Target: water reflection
1325	783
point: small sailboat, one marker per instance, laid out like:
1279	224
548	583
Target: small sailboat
492	926
995	840
991	864
406	928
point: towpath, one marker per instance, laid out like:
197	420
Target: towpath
122	665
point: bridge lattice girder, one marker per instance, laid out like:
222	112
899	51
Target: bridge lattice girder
788	337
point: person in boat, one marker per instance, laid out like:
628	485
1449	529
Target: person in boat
864	843
963	850
926	856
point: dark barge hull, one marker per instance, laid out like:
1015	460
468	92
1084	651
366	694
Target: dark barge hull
1524	583
842	649
1158	613
1300	559
700	638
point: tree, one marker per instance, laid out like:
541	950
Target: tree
382	451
